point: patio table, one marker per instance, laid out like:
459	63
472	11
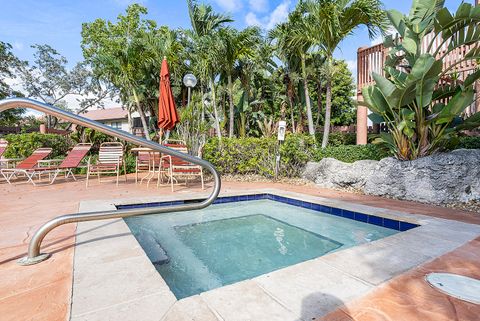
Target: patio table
151	166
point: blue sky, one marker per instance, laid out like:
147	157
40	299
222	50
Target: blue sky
58	23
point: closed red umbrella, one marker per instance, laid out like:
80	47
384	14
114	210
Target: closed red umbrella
167	112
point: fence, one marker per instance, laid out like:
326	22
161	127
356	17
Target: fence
17	130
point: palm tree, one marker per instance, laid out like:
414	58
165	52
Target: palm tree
326	23
204	35
292	43
235	45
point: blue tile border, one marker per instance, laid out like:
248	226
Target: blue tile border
361	217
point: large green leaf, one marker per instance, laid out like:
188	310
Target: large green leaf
376	118
397	20
455	106
387	88
470	123
428	72
374	99
398	77
410	42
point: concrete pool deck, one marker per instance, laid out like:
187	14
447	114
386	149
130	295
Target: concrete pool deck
43	292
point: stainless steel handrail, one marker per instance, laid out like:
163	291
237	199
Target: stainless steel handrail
34	256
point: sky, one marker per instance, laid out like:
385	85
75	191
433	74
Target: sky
58	23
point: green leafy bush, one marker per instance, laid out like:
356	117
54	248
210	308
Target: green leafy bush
241	155
338	138
88	135
295	152
23	145
469	142
351	153
257	155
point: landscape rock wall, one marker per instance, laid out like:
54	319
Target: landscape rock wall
442	178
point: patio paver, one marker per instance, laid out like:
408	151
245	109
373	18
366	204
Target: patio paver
43	291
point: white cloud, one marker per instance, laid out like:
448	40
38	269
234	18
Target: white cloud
252	20
230	5
352	66
258	5
18	45
278	15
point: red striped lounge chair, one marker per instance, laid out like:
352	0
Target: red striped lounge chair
71	162
26	166
110	161
174	167
3	146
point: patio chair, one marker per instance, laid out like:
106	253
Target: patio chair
143	163
174	167
25	167
110	161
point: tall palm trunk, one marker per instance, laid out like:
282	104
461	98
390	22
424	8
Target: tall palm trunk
328	111
319	101
215	112
290	102
203	104
311	129
142	115
232	107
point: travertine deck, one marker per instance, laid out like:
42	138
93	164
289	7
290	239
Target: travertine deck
43	291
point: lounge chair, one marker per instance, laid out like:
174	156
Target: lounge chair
110	161
25	167
71	162
3	146
5	162
174	167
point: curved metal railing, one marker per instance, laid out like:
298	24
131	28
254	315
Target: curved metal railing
34	256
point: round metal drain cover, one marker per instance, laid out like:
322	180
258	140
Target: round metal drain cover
458	286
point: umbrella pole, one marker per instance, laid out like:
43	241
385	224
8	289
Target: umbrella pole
160	136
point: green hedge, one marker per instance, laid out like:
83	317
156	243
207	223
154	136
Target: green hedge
23	145
257	155
469	142
351	153
241	156
337	138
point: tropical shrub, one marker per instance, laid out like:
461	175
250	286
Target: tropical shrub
88	135
351	153
295	152
23	145
241	156
420	102
257	155
338	138
468	142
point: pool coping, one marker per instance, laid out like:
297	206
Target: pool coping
110	263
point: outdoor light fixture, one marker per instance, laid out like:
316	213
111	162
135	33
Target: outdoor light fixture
282	127
189	80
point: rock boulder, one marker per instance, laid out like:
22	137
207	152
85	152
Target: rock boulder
438	179
441	178
331	173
